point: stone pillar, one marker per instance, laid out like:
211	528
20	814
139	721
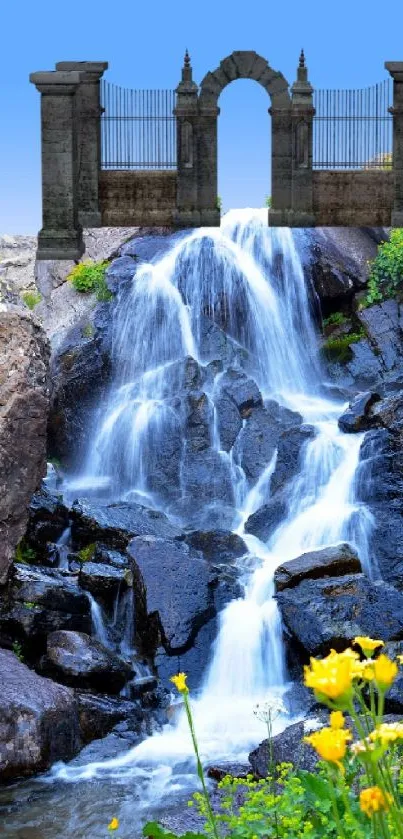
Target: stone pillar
186	111
302	113
89	111
208	198
396	71
281	163
61	233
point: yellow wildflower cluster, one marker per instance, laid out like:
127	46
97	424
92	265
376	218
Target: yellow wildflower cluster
180	682
330	742
374	800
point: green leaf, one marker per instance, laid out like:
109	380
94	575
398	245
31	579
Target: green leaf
152	830
314	786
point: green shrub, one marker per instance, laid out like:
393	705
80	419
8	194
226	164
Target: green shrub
89	276
31	298
87	553
88	331
386	271
218	203
338	349
17	650
24	554
335	319
267	201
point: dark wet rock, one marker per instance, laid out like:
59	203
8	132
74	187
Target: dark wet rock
146	248
388	413
115	524
379	485
242	390
328	613
384	326
394	696
217	344
258	438
80	370
104	581
264	522
290	447
206	477
48	517
110	557
194	661
288	747
39	720
217	545
120	270
98	715
38	601
199	419
335	561
356	418
236	770
229	421
173	591
80	661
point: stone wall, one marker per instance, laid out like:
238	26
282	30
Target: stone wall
359	199
137	197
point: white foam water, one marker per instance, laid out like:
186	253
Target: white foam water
252	275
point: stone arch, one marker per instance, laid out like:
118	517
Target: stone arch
244	65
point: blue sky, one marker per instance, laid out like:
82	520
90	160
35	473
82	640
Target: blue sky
346	43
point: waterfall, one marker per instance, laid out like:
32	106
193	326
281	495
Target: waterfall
248	280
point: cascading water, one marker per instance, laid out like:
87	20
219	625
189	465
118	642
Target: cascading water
247	279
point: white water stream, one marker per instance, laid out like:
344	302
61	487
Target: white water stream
251	274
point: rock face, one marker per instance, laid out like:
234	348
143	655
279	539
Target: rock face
287	746
39	720
76	659
24	402
356	418
328	613
335	561
38	601
115	524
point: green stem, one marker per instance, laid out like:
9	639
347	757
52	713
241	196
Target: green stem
200	772
335	807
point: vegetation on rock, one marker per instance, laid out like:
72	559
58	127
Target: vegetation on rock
89	276
31	298
86	554
386	271
338	349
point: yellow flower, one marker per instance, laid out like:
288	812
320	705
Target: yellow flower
373	800
331	677
330	743
368	645
385	672
363	670
336	720
387	732
180	682
114	824
400	659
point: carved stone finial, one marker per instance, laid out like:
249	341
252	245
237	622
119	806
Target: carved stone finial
302	59
187	59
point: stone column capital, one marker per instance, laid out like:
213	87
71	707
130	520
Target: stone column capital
92	70
395	69
56	83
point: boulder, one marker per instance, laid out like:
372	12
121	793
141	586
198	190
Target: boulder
258	439
115	524
264	522
229	421
98	715
335	561
48	517
289	452
394	696
242	390
39	720
38	601
217	545
206	477
287	747
356	418
328	613
199	421
104	581
80	661
24	404
173	591
120	270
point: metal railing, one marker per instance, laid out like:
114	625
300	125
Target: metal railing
138	129
352	129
